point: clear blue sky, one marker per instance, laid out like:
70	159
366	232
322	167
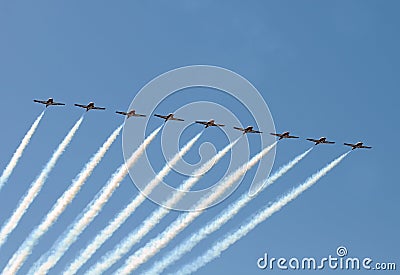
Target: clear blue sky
324	68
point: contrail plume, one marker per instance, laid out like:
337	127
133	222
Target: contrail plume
156	244
36	186
219	221
48	260
18	153
261	216
125	246
17	260
107	232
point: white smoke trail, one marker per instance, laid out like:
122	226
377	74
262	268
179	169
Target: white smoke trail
215	224
47	261
242	231
17	260
126	245
18	153
127	211
156	244
36	186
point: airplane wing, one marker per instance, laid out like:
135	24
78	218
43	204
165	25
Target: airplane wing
39	101
292	137
256	132
330	142
177	119
121	113
278	135
57	103
80	105
219	125
349	144
98	108
201	122
313	140
139	115
367	147
238	128
164	117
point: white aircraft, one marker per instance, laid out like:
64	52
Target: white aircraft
283	135
169	117
210	123
89	107
249	129
321	140
48	102
357	145
129	114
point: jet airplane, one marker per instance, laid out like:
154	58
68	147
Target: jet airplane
249	129
357	145
283	135
89	107
169	117
129	114
320	141
48	102
210	123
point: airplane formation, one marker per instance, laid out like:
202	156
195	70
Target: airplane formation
209	123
